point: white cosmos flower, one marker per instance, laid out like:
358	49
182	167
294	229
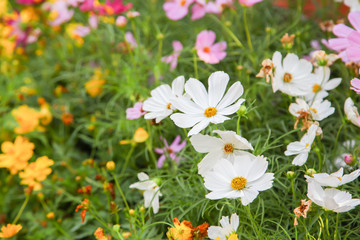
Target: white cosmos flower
331	198
227	146
227	227
351	112
243	178
319	110
334	179
354	5
293	75
207	107
159	105
322	84
151	191
302	148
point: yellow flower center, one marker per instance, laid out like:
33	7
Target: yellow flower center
182	3
210	112
228	148
238	183
313	109
233	236
307	145
287	77
168	106
316	88
339	178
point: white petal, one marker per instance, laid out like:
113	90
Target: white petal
208	162
206	143
197	91
178	86
263	183
234	92
249	196
217	85
300	159
199	126
186	120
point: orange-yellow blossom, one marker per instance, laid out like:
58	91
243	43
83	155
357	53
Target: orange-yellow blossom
16	155
36	172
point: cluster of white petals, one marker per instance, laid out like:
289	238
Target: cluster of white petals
227	227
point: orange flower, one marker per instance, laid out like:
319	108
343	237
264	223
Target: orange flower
27	118
16	155
99	234
180	231
36	172
67	118
200	231
84	205
10	230
94	87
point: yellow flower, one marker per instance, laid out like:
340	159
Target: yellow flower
28	15
140	136
70	30
27	118
36	172
3	7
16	155
45	114
9	230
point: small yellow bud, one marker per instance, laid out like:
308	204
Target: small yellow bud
110	165
50	215
132	212
126	234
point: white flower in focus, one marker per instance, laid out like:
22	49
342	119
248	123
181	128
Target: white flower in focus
292	75
151	191
331	198
354	5
319	110
321	84
227	227
334	179
302	148
227	146
207	107
159	105
351	112
242	179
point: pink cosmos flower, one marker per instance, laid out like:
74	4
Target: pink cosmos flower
169	151
173	58
347	43
62	12
129	38
198	10
114	7
355	83
177	9
206	49
121	21
135	112
249	3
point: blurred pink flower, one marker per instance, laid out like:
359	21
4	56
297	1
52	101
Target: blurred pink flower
81	30
121	21
249	3
61	11
129	38
206	49
173	58
93	21
114	7
348	42
177	9
169	151
198	10
355	83
135	112
132	14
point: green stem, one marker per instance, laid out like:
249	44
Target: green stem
120	190
336	227
232	35
195	66
238	125
293	190
127	160
248	37
253	222
22	208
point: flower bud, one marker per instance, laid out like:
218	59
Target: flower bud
50	215
116	227
110	165
132	212
121	21
349	159
157	181
242	110
310	172
290	175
